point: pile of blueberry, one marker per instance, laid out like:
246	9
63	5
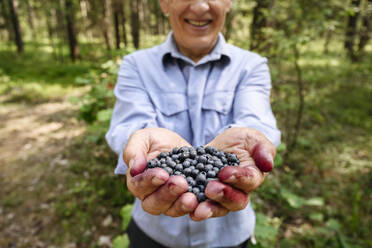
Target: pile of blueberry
198	165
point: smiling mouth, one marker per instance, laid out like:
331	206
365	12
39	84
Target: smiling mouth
198	23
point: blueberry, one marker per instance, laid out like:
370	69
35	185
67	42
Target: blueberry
208	167
175	156
171	163
163	165
169	170
163	155
211	161
202	159
193	154
218	164
175	150
211	173
177	173
216	169
201	178
195	190
201	187
200	166
200	150
208	149
179	167
189	189
184	149
201	197
186	164
187	171
194	172
184	155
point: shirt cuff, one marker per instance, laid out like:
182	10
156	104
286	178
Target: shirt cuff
121	167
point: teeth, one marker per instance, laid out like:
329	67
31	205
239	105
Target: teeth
197	23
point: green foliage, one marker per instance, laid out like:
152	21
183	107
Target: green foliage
121	241
126	215
96	106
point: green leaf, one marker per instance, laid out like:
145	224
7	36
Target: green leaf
293	200
316	201
282	147
316	217
104	115
121	241
278	161
82	81
126	214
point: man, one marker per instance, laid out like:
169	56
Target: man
194	89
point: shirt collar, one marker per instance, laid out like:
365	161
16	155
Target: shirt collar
169	49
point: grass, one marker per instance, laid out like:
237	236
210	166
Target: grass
319	197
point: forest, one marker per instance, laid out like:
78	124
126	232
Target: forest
58	66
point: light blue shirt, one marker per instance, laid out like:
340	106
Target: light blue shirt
160	87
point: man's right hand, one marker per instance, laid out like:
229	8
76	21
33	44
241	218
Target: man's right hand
159	193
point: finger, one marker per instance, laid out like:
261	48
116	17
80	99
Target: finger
135	152
147	182
208	209
185	204
227	196
247	178
163	198
263	156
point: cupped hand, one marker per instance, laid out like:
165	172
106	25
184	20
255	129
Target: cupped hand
159	193
231	193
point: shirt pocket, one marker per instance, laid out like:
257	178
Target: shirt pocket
216	112
171	110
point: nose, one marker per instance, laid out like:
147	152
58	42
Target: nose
199	7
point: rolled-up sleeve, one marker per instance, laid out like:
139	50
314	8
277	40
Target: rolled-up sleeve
252	102
133	110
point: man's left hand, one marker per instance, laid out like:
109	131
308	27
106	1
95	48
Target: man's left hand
231	193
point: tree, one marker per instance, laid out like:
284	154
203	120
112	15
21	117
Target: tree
259	22
135	25
71	33
351	29
17	29
106	25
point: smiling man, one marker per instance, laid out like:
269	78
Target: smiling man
192	90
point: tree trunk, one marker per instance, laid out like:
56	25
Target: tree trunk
16	26
106	26
228	24
122	9
71	33
260	21
365	33
116	15
6	25
61	35
351	29
135	25
30	18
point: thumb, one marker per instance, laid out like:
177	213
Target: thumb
135	152
262	157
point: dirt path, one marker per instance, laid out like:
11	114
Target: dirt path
32	168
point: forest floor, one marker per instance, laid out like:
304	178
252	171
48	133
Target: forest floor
35	171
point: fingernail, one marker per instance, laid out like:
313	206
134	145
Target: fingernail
231	179
208	214
177	190
131	162
157	181
184	208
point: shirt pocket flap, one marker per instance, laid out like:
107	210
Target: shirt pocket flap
170	103
219	101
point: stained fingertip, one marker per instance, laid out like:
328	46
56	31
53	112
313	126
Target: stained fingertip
263	158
